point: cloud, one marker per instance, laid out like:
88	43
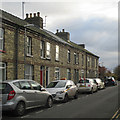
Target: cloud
100	36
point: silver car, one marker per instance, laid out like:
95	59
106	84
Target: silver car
62	90
19	95
87	85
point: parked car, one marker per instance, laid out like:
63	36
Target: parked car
19	95
100	83
87	85
110	81
62	90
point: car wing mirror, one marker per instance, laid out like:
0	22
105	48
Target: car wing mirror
42	89
68	86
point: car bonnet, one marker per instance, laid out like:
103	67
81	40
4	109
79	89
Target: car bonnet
54	90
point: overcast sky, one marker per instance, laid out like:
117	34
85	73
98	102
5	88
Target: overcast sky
91	22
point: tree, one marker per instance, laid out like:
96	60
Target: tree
109	73
117	72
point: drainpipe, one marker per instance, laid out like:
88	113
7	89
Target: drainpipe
86	65
16	53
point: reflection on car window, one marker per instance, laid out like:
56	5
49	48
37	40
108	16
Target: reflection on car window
17	84
52	85
35	85
57	84
25	85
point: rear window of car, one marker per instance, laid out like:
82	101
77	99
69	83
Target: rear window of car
5	88
87	81
109	79
83	81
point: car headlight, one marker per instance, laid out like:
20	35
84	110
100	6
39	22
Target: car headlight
59	92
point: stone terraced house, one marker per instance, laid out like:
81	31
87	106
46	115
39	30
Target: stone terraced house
31	52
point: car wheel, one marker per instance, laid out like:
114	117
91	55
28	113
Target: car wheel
96	89
49	102
91	92
20	109
66	98
76	95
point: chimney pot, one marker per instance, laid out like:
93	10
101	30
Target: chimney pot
38	14
34	14
30	15
63	30
27	15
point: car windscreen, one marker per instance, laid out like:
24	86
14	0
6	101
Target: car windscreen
5	88
57	84
98	80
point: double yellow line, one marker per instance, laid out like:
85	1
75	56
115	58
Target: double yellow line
116	115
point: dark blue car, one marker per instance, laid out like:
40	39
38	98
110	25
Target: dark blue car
110	82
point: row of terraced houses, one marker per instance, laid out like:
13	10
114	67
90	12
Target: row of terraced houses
31	52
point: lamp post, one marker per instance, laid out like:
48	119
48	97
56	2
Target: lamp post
28	25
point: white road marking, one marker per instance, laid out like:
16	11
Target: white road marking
39	111
25	116
59	105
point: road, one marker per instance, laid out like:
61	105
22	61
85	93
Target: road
102	104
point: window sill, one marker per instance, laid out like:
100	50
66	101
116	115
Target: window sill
57	61
43	58
29	55
76	63
2	51
48	59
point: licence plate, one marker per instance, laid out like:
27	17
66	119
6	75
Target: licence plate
82	85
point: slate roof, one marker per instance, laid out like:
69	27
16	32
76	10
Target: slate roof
13	19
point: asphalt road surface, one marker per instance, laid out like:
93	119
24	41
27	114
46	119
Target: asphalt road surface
102	104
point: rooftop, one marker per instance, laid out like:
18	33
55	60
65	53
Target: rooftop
20	22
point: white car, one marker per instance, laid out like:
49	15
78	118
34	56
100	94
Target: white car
100	83
62	90
87	85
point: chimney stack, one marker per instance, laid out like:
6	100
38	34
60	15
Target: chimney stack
64	35
35	19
